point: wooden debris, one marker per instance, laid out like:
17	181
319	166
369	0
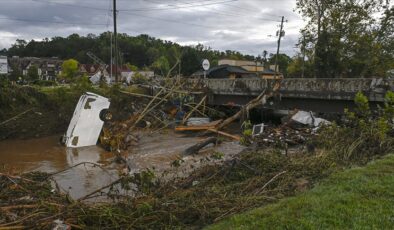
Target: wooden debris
235	137
197	147
194	109
258	101
211	125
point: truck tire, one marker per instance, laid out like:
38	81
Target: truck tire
105	115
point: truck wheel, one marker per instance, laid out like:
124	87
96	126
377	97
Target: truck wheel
105	115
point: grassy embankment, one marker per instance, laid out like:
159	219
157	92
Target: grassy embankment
28	112
358	198
36	111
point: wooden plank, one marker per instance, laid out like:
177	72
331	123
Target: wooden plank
211	125
235	137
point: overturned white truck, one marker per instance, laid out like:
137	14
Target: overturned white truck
88	120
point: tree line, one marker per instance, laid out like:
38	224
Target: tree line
345	38
142	52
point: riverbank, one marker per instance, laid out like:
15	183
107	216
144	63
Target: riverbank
31	112
358	198
254	178
264	173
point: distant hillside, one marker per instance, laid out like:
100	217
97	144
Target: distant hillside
141	51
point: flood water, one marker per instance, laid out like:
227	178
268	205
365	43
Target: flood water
156	152
47	155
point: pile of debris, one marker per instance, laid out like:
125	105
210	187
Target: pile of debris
297	128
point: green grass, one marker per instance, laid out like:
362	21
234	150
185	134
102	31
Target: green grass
358	198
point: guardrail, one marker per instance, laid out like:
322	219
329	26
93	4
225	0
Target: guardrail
320	88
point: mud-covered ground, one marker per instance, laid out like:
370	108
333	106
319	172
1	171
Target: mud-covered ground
28	112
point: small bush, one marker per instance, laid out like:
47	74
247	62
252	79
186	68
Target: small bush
44	83
361	137
139	79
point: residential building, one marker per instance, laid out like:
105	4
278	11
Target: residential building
3	65
48	68
250	66
254	67
224	71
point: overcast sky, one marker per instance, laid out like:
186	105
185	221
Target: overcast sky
243	25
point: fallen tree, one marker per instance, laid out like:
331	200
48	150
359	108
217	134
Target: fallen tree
258	101
197	147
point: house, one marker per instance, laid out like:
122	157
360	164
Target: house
89	69
128	76
3	65
225	71
270	74
254	67
250	66
48	68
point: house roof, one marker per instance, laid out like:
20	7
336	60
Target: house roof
228	68
120	69
268	72
89	68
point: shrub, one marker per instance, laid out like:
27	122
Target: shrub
139	79
361	137
44	83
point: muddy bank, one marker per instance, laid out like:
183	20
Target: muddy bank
28	112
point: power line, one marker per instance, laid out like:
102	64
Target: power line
149	9
70	5
52	22
136	9
250	10
168	20
179	7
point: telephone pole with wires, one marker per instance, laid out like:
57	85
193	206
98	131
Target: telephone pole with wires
116	43
281	34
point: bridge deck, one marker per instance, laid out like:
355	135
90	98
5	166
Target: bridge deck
339	91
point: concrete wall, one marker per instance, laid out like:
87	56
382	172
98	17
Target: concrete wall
327	89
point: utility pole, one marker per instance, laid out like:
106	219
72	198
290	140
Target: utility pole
116	43
281	34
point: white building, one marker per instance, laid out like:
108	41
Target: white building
3	65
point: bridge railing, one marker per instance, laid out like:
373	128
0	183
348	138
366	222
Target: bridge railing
319	88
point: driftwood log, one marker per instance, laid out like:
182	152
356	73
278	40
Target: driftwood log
260	100
197	147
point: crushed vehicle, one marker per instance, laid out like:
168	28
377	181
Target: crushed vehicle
89	116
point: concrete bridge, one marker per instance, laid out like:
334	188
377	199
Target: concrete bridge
318	95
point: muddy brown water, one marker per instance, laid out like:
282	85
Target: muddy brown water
156	152
47	155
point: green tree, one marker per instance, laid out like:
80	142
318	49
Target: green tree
161	65
295	68
283	62
16	73
346	37
32	73
132	67
70	69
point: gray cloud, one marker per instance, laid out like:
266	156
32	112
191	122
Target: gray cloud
243	25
